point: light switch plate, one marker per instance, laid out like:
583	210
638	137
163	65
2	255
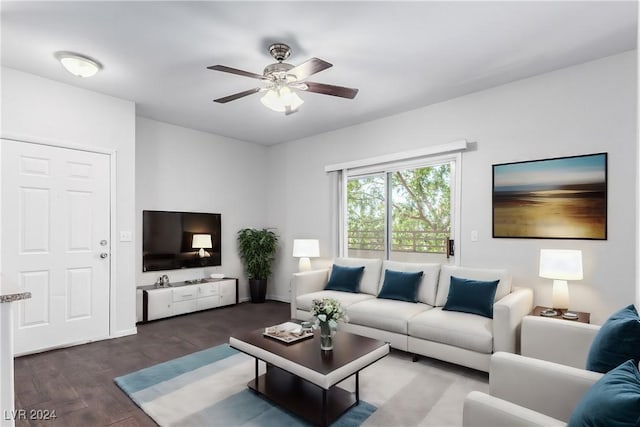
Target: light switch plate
474	235
125	236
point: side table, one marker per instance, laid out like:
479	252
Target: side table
582	316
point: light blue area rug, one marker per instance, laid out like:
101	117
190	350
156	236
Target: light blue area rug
209	388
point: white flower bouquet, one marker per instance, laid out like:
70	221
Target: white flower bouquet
329	311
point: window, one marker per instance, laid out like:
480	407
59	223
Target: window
401	213
366	218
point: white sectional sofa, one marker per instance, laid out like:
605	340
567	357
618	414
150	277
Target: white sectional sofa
422	328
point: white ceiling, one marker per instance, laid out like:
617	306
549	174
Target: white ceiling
401	55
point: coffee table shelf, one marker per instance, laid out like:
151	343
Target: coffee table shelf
301	397
303	379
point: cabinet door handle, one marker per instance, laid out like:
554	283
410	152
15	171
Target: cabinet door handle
187	295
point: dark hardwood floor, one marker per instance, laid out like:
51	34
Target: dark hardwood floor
77	382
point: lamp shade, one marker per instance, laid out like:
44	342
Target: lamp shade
308	248
201	241
561	264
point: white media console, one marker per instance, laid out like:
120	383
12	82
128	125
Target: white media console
185	297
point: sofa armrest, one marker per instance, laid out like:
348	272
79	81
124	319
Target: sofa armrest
546	387
307	282
562	341
482	410
507	317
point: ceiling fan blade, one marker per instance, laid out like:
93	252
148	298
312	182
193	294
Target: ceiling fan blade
343	92
308	68
237	95
226	69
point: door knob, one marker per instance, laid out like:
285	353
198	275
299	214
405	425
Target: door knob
103	255
103	243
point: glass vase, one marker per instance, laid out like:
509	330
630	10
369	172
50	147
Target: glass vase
326	336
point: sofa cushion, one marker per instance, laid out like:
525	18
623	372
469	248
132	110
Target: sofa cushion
614	401
345	279
387	315
617	341
303	302
504	286
462	330
428	284
371	275
471	296
401	286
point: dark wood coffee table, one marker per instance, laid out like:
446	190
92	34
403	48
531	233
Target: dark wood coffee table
302	378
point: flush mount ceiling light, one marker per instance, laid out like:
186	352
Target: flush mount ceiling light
78	65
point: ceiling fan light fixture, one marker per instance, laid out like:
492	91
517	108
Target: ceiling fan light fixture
290	98
279	99
282	79
78	65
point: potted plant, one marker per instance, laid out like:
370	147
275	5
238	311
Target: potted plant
257	249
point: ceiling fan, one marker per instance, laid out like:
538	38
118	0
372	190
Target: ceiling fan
282	80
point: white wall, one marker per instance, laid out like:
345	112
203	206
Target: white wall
584	109
38	109
180	169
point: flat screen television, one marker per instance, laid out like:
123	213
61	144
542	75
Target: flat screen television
175	240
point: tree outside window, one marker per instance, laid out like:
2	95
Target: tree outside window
420	214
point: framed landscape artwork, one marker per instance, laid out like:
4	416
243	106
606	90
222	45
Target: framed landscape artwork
561	198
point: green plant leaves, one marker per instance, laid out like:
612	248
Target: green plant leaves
257	249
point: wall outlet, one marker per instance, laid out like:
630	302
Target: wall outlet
474	235
126	236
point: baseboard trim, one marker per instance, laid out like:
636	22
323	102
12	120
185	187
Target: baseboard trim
268	297
118	334
279	298
124	333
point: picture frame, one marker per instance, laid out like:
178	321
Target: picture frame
556	198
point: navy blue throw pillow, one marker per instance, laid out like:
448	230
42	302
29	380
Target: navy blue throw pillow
400	285
617	341
614	401
471	296
345	279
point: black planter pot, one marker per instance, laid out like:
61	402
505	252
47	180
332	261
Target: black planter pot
258	290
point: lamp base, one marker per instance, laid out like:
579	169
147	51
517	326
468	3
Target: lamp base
560	295
304	264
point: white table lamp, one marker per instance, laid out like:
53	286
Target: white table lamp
305	249
560	265
202	241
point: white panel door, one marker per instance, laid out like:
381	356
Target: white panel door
55	243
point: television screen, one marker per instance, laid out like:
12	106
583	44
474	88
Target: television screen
174	240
